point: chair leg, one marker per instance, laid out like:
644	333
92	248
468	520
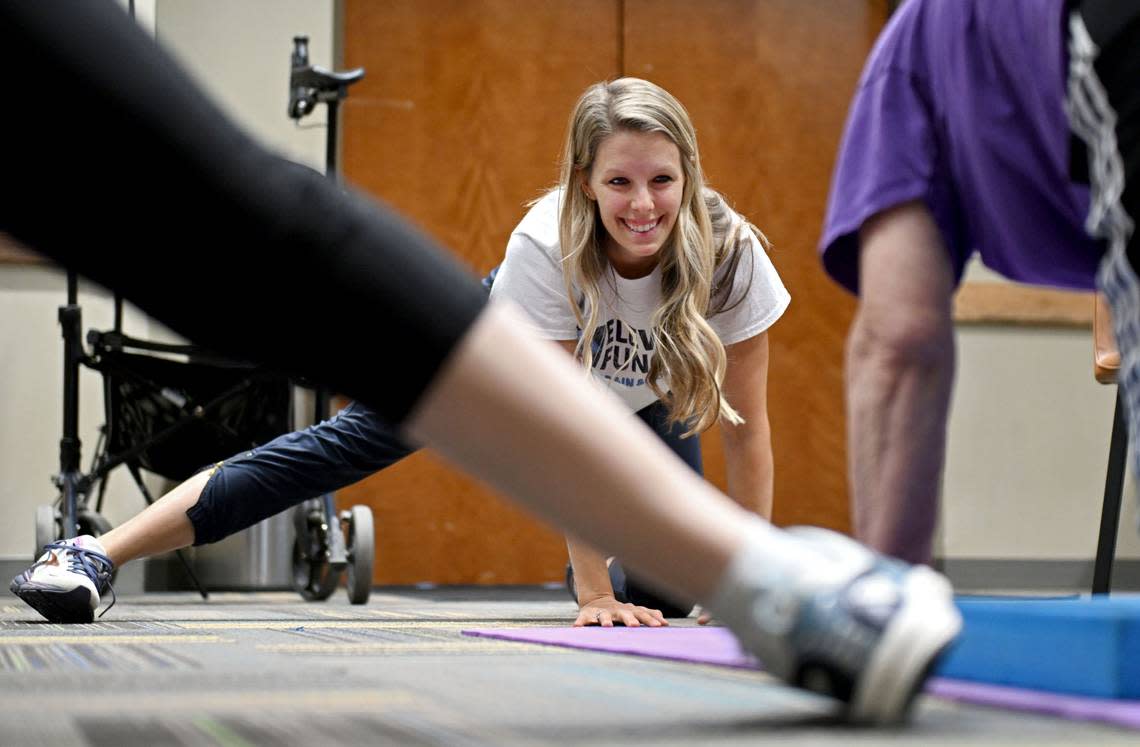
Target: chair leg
1110	513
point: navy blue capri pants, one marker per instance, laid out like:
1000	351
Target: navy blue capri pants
353	444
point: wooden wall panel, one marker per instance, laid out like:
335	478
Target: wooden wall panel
768	86
460	117
459	122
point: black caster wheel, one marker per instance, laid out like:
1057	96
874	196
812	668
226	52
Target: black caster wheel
47	529
361	541
314	578
93	523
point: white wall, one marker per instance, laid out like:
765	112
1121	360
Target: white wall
1029	434
1028	446
239	52
31	400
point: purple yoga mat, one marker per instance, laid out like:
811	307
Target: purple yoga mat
718	647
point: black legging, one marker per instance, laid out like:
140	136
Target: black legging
121	169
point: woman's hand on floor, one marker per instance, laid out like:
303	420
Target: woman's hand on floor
606	611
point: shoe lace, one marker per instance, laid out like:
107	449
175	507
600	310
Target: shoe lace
95	565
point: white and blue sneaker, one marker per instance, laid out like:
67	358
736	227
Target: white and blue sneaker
66	583
856	626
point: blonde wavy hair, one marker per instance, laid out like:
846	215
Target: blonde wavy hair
698	261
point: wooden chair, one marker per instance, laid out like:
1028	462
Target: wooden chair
1106	365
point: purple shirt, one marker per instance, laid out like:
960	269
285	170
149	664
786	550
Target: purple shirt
961	105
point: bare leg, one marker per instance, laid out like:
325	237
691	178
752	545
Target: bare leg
160	528
900	371
522	416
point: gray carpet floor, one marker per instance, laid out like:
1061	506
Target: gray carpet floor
270	669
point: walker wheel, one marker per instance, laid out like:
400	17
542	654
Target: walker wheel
314	578
361	541
47	529
93	523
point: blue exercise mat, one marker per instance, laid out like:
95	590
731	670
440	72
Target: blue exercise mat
1084	646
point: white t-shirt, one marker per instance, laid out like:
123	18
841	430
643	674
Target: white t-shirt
531	276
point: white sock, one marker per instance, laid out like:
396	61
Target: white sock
758	595
87	542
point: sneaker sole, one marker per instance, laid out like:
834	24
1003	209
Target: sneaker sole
912	644
69	607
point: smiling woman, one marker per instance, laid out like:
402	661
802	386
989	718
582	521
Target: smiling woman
662	292
637	183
